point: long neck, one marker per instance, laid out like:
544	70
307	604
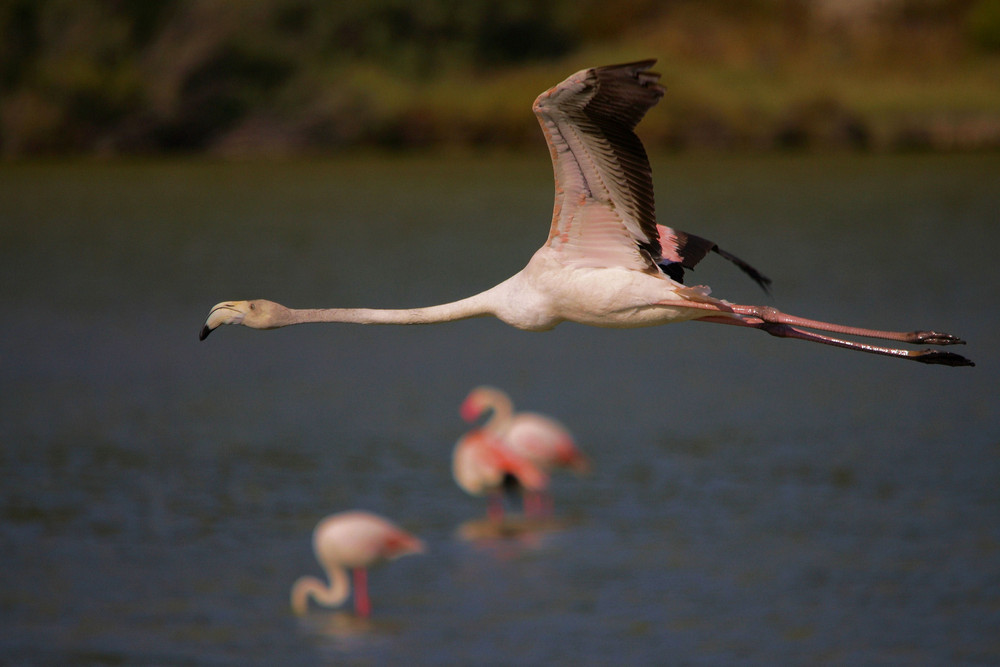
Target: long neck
328	596
503	411
478	305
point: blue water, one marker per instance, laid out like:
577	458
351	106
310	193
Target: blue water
754	501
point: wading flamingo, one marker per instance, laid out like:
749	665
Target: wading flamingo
605	263
539	438
481	466
356	540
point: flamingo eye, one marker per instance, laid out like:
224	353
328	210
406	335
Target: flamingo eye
253	306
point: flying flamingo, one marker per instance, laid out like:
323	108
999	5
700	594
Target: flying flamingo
356	540
539	438
606	263
481	466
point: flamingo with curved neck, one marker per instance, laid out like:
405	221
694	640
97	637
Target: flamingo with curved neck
537	437
606	262
356	540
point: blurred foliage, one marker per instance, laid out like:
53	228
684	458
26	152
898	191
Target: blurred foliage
291	76
984	24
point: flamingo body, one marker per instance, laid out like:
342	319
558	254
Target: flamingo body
482	467
605	262
544	441
355	540
536	437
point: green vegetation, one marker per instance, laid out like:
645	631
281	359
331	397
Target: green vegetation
304	76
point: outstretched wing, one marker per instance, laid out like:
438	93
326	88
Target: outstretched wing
604	211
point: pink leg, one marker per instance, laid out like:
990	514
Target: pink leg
547	501
779	324
769	315
362	605
530	501
537	503
494	508
784	330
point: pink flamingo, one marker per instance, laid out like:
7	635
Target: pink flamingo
356	540
605	263
540	439
481	466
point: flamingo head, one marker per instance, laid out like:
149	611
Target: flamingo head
480	400
577	461
256	314
403	544
471	408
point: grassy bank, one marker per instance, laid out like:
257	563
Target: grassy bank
301	76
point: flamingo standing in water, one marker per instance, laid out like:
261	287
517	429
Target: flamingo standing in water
356	540
606	262
539	438
482	466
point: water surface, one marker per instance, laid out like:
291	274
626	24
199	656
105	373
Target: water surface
754	500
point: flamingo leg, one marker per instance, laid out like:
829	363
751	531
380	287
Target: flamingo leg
771	315
537	503
530	504
785	330
547	501
494	507
362	604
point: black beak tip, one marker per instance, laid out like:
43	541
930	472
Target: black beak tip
204	332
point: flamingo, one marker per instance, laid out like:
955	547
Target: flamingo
540	439
481	466
605	263
356	540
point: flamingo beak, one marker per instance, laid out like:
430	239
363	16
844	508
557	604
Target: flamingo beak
418	547
581	466
222	313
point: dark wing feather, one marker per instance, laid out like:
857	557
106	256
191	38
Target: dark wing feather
682	250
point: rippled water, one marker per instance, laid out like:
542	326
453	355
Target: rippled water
754	501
